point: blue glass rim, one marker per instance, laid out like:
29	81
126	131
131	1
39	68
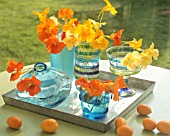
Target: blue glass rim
40	66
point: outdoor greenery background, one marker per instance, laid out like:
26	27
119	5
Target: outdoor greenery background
147	19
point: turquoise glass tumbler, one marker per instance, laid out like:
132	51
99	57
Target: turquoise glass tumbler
64	61
93	107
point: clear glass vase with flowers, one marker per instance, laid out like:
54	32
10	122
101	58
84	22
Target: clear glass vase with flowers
92	40
95	95
128	59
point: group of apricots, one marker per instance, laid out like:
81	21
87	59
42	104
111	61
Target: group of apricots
51	125
148	123
48	125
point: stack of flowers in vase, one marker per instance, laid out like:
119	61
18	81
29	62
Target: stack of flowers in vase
52	33
60	40
87	36
95	95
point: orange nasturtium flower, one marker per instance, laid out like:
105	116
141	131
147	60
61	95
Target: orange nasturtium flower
96	87
114	87
14	68
53	45
42	15
121	82
30	85
47	29
117	37
82	82
65	13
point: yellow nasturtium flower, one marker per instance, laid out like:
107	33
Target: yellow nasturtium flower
128	61
70	40
99	42
136	58
136	44
70	25
146	60
55	20
97	25
85	31
152	52
42	15
108	7
132	60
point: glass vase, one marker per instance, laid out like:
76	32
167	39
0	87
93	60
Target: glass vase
64	61
115	54
86	62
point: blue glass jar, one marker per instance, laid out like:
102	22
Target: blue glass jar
86	62
55	86
94	107
64	61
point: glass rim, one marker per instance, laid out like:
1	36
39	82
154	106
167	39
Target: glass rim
116	47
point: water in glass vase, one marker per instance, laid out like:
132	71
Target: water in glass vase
86	62
95	107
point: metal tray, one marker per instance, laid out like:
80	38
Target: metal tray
70	109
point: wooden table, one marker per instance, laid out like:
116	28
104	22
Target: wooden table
159	100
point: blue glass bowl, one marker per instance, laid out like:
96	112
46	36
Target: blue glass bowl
55	86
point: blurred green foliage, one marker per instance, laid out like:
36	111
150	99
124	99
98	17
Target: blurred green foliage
145	19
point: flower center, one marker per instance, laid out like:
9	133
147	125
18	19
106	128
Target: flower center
31	84
48	30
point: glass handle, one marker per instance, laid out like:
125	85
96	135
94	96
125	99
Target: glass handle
39	67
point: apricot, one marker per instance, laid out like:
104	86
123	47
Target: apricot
143	109
120	121
14	122
124	131
163	127
149	124
49	125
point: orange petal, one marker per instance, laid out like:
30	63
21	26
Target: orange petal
117	41
122	83
11	66
33	90
22	85
35	81
119	33
15	76
20	66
